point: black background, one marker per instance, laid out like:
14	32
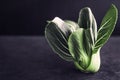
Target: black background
28	17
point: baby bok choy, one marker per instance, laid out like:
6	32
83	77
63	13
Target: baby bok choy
81	42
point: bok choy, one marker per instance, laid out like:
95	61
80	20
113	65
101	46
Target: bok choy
81	42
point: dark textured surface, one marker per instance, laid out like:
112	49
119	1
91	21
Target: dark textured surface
30	58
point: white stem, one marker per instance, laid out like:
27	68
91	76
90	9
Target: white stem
95	62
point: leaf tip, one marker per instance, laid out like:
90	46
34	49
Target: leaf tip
113	6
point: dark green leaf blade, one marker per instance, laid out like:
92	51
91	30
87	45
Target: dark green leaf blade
87	20
107	26
57	37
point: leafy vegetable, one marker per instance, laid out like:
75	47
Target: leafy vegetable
81	42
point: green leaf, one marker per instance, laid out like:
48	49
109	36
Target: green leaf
74	26
88	45
77	46
57	33
107	26
87	21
